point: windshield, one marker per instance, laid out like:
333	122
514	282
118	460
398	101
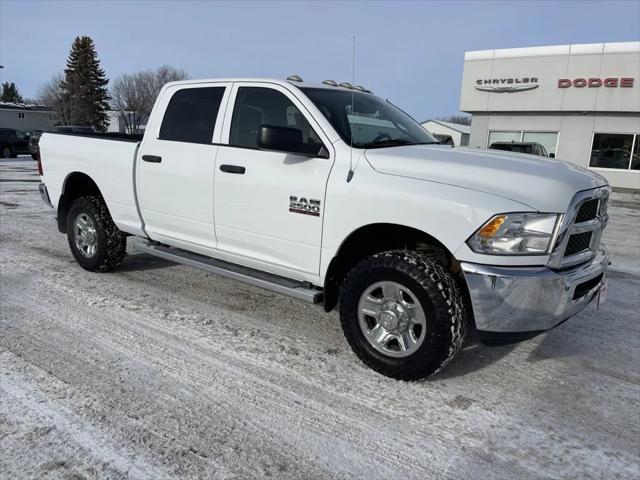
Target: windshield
373	122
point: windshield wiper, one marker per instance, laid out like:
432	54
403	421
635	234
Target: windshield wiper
395	142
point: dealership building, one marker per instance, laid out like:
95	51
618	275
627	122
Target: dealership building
581	102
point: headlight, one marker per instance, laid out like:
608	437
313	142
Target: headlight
515	234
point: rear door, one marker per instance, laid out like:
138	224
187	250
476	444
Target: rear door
176	166
269	204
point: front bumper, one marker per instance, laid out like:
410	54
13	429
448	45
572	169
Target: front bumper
529	300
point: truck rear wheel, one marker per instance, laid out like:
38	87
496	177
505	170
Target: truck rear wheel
95	241
403	314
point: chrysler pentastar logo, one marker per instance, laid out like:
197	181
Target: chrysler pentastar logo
507	84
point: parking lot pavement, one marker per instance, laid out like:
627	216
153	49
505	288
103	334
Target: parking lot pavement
163	371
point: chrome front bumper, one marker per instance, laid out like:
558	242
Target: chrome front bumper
531	299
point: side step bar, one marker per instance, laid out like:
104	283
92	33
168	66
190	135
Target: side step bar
251	276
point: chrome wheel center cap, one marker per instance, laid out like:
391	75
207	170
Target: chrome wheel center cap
389	320
393	317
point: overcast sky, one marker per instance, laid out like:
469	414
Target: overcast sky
409	52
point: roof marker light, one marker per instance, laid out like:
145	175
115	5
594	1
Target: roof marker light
294	78
331	83
346	85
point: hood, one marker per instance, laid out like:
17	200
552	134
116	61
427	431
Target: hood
542	183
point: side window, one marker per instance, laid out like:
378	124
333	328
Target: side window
191	115
257	106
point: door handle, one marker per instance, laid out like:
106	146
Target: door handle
151	158
233	169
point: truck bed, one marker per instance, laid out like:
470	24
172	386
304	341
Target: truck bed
107	158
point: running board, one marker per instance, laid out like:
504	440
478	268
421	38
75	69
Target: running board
248	275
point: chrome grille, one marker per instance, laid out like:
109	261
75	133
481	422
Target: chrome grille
588	211
579	235
578	243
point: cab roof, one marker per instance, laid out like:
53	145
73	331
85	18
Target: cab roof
283	83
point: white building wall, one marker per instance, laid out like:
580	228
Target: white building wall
118	124
435	127
26	119
575	136
575	112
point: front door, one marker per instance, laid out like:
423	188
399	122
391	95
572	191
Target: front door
269	205
176	167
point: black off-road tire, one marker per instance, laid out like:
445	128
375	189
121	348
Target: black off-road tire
111	242
6	151
440	297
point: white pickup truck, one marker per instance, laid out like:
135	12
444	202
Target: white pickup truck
332	195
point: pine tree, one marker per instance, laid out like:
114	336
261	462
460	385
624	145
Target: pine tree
84	87
10	93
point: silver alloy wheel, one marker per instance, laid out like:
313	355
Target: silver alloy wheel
84	233
392	319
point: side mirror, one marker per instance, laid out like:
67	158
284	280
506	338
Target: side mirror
552	155
287	140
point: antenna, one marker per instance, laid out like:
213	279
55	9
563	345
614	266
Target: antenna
353	80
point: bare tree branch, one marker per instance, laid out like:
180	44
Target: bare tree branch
133	95
459	119
52	95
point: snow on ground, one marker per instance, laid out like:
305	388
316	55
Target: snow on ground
163	371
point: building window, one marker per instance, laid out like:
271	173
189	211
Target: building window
20	115
504	137
549	140
615	150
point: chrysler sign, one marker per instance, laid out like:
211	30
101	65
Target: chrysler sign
508	84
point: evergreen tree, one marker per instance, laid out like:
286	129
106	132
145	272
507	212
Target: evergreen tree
84	88
10	93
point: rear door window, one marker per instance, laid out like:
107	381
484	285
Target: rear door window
191	115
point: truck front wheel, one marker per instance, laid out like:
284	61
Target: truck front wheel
403	314
95	241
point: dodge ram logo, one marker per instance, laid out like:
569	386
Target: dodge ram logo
304	206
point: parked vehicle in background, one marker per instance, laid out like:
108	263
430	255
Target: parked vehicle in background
444	139
13	143
34	140
532	148
332	195
72	129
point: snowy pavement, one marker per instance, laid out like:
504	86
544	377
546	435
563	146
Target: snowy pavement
163	371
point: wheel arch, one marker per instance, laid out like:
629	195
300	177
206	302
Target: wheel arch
374	238
75	185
